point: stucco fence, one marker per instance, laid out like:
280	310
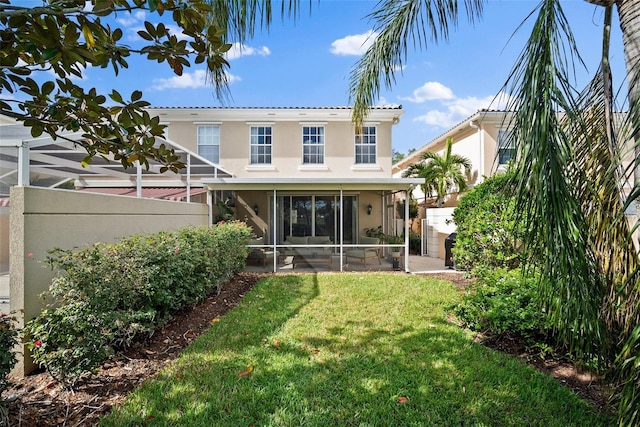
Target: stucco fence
43	219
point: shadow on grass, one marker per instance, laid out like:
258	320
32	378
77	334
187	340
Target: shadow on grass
425	372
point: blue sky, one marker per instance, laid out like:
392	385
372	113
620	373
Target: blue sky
307	63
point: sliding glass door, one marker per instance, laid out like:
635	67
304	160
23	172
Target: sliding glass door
309	215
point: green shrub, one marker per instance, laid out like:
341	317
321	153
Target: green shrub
8	341
415	242
111	293
502	302
487	234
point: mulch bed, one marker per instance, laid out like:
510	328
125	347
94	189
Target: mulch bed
41	401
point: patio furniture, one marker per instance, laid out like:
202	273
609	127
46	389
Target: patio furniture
366	252
259	255
301	253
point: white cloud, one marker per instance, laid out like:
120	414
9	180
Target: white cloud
458	109
232	78
195	80
356	44
430	91
238	50
131	19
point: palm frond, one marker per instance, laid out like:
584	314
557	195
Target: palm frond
399	25
238	21
573	287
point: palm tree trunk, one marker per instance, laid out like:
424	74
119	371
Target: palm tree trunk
629	13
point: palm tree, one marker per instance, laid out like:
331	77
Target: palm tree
441	173
569	169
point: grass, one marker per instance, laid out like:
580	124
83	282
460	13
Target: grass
347	350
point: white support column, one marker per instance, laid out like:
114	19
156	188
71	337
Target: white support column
138	179
210	206
23	164
341	252
188	178
406	230
384	210
274	221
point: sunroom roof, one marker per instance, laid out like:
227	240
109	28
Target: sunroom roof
24	159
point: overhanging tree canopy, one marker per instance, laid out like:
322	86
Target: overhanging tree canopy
63	37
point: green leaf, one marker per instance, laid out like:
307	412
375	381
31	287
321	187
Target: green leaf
145	35
115	95
47	54
153	5
86	161
48	87
36	130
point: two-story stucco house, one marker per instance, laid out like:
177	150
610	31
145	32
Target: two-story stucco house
295	171
289	172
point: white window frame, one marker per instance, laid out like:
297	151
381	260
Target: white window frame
212	140
267	145
317	133
505	145
366	142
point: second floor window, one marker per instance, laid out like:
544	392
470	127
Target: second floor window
366	145
506	146
313	145
261	145
209	143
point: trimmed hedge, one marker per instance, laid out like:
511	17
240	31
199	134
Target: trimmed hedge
488	236
505	302
108	294
8	341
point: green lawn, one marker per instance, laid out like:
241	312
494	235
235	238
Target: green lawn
346	350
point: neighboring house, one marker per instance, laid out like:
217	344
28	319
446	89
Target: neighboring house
482	138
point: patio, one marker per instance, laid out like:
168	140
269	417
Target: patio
417	264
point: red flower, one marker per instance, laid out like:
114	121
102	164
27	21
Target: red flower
37	343
30	255
176	250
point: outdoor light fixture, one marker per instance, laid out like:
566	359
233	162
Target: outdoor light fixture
369	209
255	208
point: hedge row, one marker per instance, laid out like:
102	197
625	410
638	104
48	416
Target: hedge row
8	341
108	294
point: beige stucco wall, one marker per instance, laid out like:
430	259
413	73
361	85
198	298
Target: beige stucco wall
287	148
42	219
